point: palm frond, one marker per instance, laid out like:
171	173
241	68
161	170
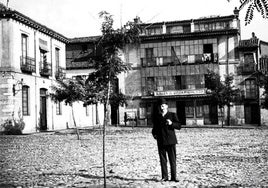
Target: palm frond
256	6
262	7
244	3
249	13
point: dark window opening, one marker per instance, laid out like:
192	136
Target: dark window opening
178	84
207	48
187	28
84	47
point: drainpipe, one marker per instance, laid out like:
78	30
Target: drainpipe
35	87
227	72
258	88
52	104
227	56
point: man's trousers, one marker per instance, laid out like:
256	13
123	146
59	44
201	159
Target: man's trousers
163	151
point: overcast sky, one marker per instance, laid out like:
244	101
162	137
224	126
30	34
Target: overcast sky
79	18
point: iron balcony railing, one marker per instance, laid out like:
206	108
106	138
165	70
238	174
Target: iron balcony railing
177	60
60	73
45	69
27	64
249	43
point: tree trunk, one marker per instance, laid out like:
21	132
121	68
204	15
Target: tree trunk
228	115
77	131
97	115
104	132
103	145
222	117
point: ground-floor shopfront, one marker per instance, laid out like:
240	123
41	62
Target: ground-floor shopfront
191	110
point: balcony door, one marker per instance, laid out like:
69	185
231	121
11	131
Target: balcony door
24	48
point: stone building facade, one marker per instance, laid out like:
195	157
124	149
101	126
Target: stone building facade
32	58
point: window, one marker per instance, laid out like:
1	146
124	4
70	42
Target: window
207	53
187	28
250	86
87	110
189	109
248	58
43	57
154	31
150	84
24	48
178	84
25	101
176	29
149	56
207	48
57	57
149	52
199	109
192	81
58	108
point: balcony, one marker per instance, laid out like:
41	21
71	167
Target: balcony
250	44
45	69
60	73
246	68
27	64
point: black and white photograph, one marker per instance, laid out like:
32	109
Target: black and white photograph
133	94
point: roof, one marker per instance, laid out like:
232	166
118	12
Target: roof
79	65
172	36
84	39
7	13
198	20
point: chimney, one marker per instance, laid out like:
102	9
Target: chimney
236	12
137	20
192	26
253	35
164	28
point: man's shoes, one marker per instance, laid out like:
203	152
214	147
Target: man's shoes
164	179
174	180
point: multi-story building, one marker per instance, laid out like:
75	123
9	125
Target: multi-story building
253	58
80	56
32	58
172	61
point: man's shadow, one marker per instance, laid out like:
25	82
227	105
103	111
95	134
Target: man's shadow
89	176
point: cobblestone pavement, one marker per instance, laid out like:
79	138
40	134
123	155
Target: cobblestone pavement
205	158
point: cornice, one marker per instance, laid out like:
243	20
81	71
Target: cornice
13	14
191	35
182	22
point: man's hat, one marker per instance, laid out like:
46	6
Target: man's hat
162	101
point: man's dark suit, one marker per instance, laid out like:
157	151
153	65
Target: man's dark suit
166	141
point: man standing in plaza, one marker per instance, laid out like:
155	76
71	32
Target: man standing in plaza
164	125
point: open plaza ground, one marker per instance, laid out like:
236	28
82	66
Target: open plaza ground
206	157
